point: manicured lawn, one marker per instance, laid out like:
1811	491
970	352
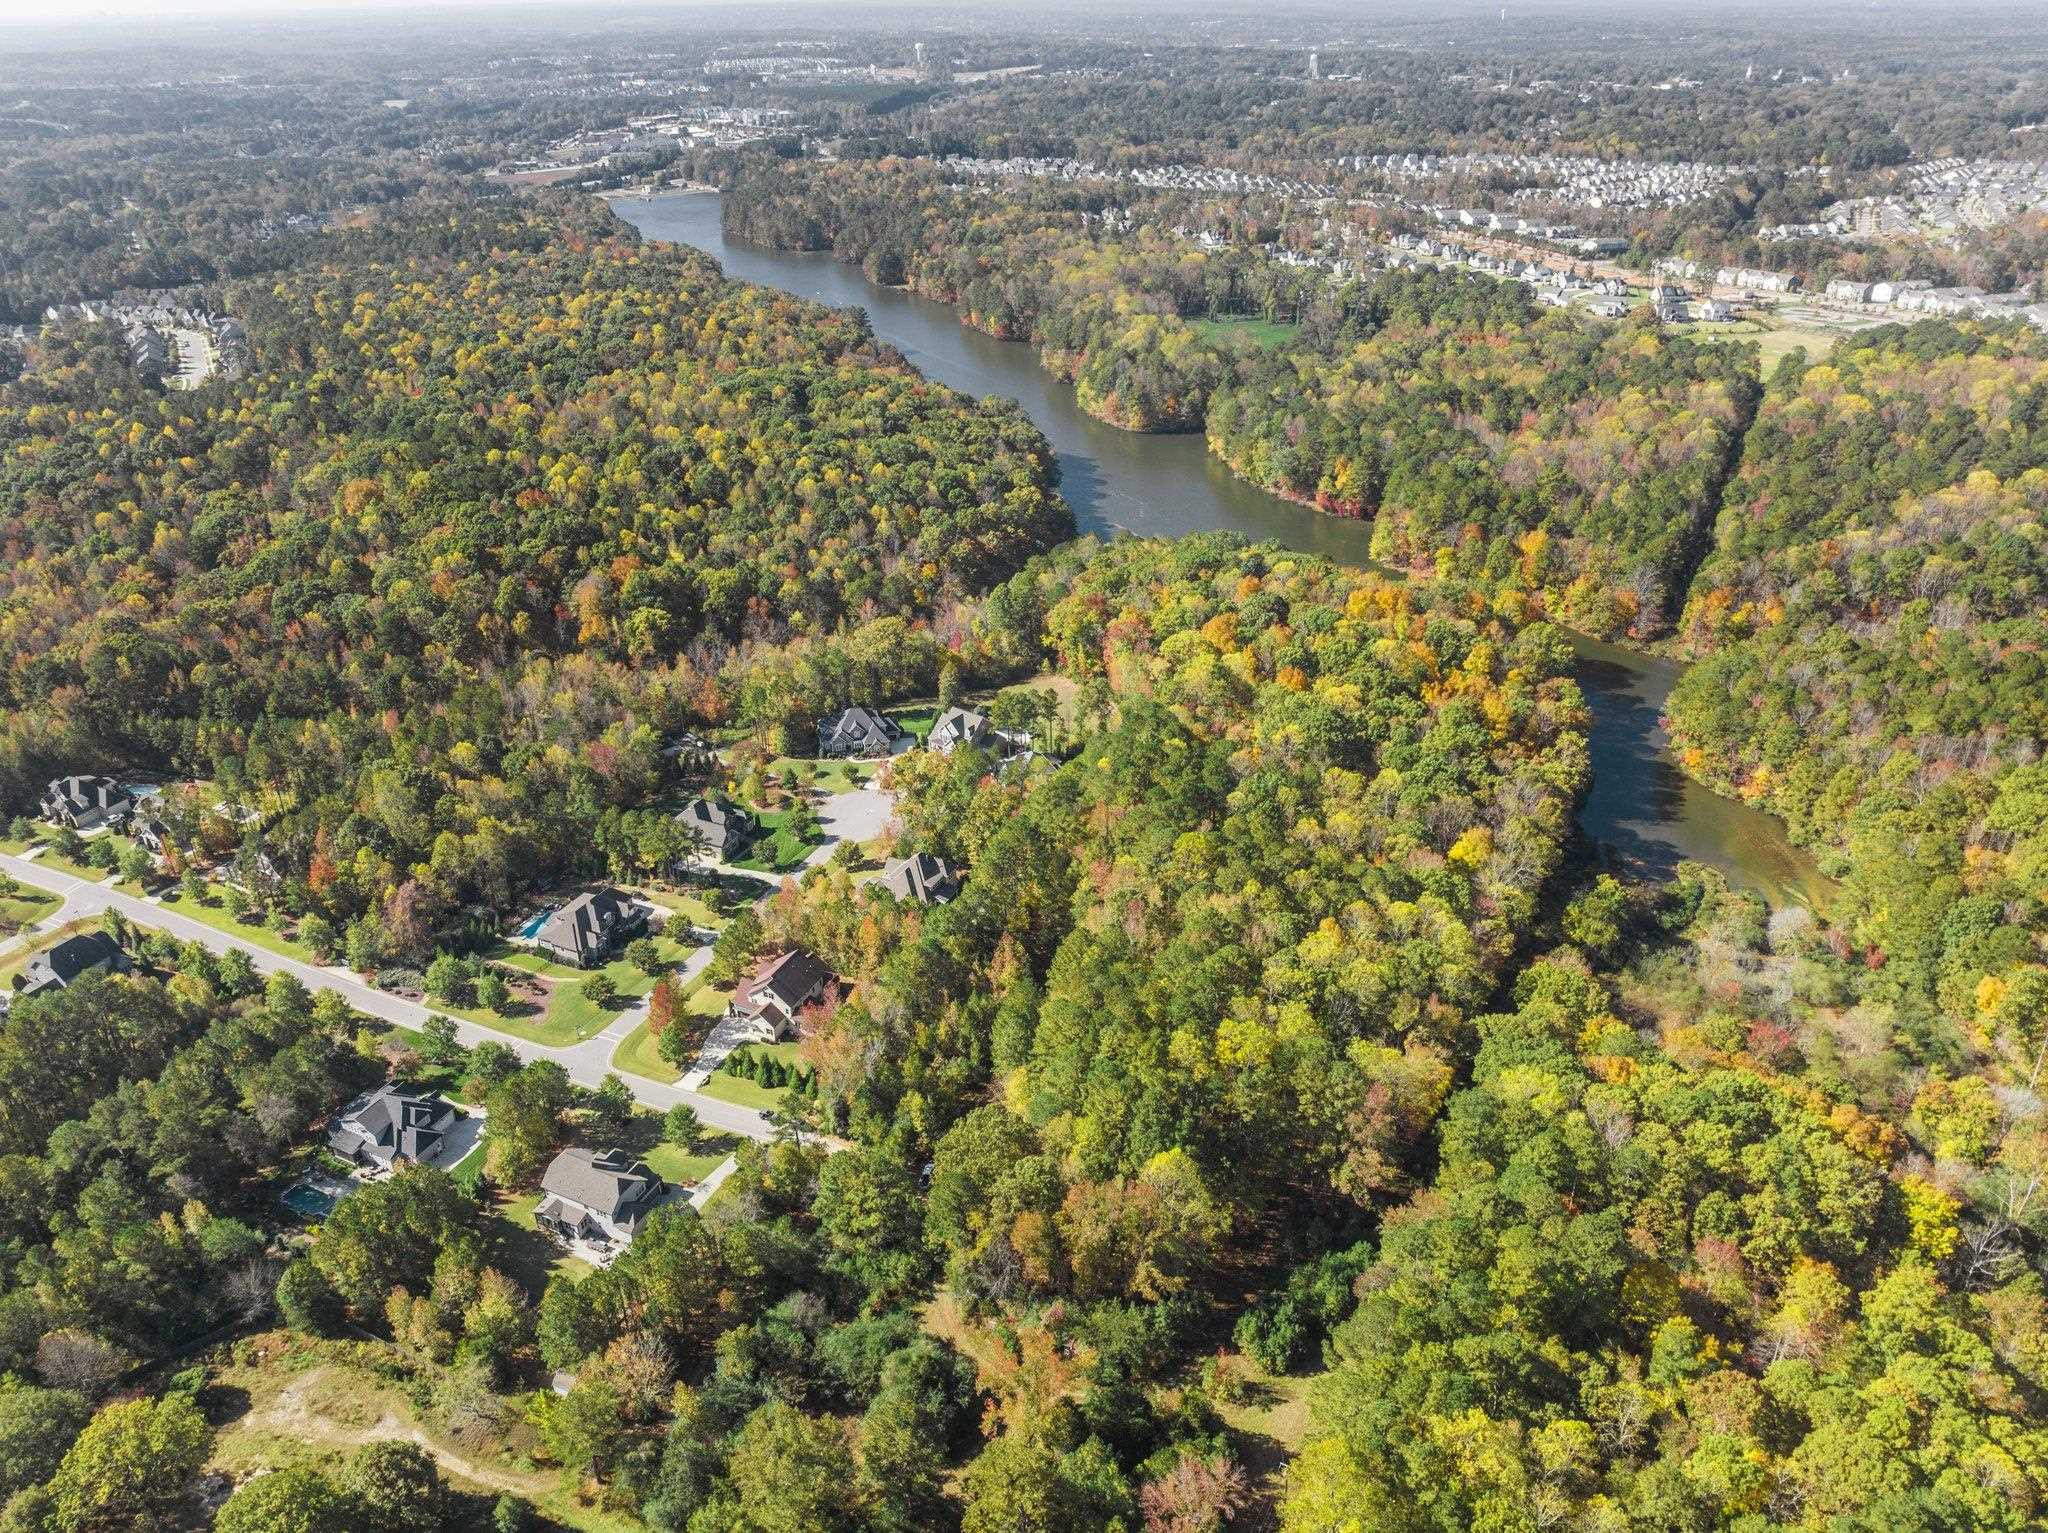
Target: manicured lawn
84	870
693	908
776	849
640	1052
532	962
742	1092
571	1016
833	775
216	916
686	1168
515	1245
15	846
917	721
26	907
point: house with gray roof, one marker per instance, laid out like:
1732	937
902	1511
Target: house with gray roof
766	1005
597	1197
393	1124
720	827
87	803
959	726
857	732
588	930
921	877
63	964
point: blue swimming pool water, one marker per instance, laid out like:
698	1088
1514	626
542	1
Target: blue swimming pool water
308	1201
534	924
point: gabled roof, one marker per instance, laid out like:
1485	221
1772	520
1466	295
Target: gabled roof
400	1120
787	982
920	877
856	726
607	1182
719	821
64	962
959	726
585	924
87	795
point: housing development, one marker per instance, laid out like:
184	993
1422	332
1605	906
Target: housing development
923	769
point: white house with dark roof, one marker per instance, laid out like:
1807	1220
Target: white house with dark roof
921	877
597	1197
87	803
858	732
390	1125
588	930
766	1004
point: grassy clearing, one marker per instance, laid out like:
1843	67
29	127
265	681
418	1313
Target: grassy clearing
1268	1423
686	1168
691	907
1245	331
518	1249
82	870
830	775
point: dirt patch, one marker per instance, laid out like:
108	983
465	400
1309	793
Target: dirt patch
328	1407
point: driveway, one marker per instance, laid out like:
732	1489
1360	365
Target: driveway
587	1063
857	815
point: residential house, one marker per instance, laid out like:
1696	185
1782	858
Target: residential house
959	726
720	827
1848	290
152	836
769	1001
87	803
857	732
590	928
927	879
597	1197
63	964
1714	311
393	1124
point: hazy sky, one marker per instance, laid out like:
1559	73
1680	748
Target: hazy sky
20	12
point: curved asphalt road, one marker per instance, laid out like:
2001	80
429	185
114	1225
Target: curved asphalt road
587	1062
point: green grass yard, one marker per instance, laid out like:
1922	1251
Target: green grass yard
571	1016
217	916
776	849
1245	331
18	957
25	907
686	1168
640	1051
741	1092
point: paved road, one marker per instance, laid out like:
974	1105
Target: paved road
587	1062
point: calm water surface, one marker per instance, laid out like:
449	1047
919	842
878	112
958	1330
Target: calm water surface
1641	806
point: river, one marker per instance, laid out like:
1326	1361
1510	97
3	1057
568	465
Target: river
1641	806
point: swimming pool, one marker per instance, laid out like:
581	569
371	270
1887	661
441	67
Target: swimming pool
534	923
309	1200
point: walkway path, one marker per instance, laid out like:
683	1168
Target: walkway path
587	1062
